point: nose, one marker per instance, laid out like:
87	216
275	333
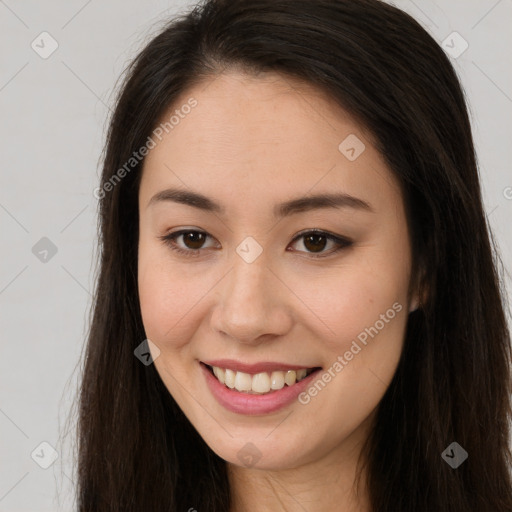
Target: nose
252	304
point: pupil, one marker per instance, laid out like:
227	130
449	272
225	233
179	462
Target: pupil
315	238
189	237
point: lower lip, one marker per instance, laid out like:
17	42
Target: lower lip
244	403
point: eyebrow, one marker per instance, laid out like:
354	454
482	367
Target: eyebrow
293	206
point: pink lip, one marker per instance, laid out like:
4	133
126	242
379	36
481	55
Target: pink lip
263	366
244	403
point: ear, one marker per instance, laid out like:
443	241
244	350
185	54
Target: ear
420	295
415	304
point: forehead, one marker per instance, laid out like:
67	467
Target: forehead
253	138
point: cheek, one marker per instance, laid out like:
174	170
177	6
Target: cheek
349	299
366	315
164	301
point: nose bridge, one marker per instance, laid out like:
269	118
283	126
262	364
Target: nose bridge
249	275
249	306
247	286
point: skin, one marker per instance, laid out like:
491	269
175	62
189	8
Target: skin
252	142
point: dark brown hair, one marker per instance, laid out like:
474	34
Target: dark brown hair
136	449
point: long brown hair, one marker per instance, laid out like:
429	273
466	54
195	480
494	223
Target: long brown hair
136	449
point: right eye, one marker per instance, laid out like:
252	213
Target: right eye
190	236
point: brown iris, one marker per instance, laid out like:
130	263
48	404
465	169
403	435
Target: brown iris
314	242
193	237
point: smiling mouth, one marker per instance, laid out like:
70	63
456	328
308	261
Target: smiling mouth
260	383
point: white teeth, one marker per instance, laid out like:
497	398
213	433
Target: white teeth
259	383
290	377
220	374
301	374
277	380
243	381
229	377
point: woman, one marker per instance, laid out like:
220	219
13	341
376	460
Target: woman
298	305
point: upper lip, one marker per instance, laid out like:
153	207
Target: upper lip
253	368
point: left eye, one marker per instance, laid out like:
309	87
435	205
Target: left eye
314	240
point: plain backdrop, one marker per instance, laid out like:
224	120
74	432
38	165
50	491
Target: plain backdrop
53	121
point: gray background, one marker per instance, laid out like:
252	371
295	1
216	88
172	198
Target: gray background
54	115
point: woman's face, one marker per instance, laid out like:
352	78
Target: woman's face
253	289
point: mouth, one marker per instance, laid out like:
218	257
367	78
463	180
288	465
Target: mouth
262	383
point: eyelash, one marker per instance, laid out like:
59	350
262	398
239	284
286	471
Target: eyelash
170	241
